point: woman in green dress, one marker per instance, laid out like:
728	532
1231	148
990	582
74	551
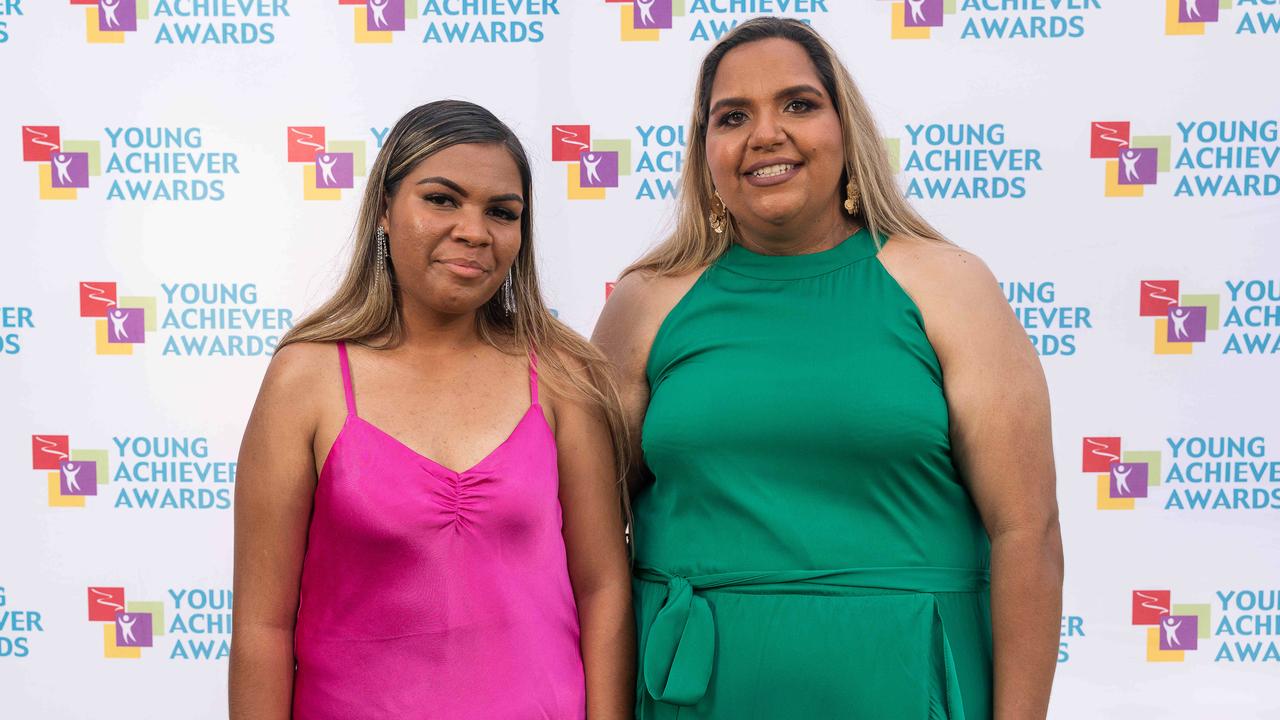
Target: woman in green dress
846	504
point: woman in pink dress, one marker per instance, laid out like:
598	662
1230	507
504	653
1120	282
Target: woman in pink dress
428	519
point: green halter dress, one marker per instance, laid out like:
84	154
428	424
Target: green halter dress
806	549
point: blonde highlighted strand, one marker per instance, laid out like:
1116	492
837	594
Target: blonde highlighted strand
883	209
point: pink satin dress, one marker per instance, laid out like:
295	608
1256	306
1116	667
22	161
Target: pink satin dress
431	593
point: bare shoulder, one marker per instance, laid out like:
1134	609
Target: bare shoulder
929	269
964	310
640	301
299	368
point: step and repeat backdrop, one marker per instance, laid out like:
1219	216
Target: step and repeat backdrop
180	179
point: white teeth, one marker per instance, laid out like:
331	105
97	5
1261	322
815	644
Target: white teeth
771	170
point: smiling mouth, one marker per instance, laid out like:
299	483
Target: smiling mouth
772	170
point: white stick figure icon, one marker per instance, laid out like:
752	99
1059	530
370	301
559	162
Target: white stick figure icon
1121	473
646	11
592	163
109	7
62	163
1193	8
1179	318
917	10
70	471
326	166
1171	632
126	628
1129	158
117	324
379	8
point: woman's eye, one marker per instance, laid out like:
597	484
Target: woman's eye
505	214
733	117
799	105
437	199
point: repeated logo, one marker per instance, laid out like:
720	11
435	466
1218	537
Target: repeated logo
1204	473
1192	17
1172	630
1181	321
1071	629
182	22
328	166
8	9
453	22
195	319
1020	20
14	319
593	165
64	166
1054	327
706	20
962	161
144	164
1212	158
198	628
150	473
1132	162
18	628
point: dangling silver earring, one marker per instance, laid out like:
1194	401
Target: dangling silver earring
508	295
380	254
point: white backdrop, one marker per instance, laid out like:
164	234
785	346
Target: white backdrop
210	262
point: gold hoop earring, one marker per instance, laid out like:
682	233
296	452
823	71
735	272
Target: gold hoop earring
851	198
718	216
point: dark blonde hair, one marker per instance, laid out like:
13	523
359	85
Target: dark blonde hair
884	210
366	309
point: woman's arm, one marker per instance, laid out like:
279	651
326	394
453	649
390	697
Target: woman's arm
591	501
1003	447
275	482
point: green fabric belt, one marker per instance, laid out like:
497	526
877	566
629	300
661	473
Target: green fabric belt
680	645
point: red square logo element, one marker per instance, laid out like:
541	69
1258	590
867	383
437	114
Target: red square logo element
47	451
351	2
305	142
1107	139
84	2
1099	453
40	140
1150	605
104	602
608	289
96	298
568	142
1157	297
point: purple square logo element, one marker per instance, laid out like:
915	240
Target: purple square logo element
78	477
1187	323
335	170
1178	632
385	14
126	325
1129	480
597	169
69	169
651	14
133	629
1198	11
1138	166
922	13
119	15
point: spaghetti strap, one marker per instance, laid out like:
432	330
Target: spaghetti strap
533	377
346	378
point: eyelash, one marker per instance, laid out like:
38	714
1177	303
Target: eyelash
501	213
724	119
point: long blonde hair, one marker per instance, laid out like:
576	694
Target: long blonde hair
883	210
365	308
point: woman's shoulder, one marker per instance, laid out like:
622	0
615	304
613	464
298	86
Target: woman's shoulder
637	306
299	368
